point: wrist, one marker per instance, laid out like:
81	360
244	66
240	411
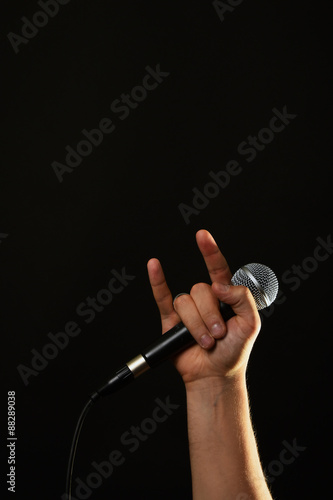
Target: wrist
212	385
212	403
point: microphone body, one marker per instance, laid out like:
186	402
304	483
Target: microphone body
169	344
259	279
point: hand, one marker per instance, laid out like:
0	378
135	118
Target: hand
222	348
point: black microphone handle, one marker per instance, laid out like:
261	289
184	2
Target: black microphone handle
169	344
175	340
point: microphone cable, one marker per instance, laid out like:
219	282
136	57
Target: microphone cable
262	283
74	446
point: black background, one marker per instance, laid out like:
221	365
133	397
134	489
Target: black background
119	207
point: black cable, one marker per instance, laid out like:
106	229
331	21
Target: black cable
74	445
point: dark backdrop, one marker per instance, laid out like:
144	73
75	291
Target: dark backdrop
225	71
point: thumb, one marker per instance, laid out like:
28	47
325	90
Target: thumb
242	302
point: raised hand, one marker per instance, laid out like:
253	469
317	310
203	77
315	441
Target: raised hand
222	348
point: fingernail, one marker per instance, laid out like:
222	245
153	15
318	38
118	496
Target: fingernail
217	330
206	341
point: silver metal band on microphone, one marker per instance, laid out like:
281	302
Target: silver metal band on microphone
257	284
138	365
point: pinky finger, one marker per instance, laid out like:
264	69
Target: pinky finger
162	294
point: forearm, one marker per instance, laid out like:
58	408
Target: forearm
225	463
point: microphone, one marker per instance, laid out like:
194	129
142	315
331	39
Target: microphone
259	279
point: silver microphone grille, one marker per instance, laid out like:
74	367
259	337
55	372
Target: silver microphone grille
260	280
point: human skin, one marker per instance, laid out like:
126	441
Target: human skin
224	457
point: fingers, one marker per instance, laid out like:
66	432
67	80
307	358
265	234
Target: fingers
162	294
209	309
216	263
199	311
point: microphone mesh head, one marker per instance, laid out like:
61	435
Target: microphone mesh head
260	280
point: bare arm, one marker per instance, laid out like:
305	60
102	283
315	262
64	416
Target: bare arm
224	457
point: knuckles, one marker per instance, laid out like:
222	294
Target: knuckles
196	291
198	288
181	300
245	292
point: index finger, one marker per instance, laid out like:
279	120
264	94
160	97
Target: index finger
216	263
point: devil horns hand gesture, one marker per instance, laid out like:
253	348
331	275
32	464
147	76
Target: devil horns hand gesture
222	348
223	451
